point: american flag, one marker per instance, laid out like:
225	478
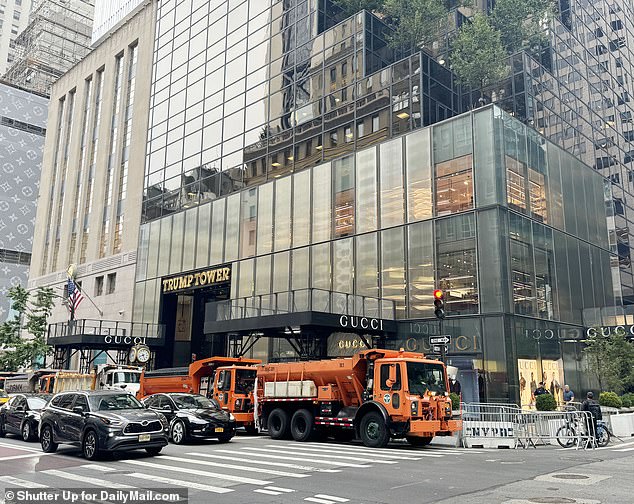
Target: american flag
74	296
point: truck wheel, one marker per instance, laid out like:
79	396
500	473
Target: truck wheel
374	432
418	441
278	424
302	425
46	440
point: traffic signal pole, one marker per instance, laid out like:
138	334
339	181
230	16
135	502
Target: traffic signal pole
439	311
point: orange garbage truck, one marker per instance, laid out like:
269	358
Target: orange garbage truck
230	381
376	395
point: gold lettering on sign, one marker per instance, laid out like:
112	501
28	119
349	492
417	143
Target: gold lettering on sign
197	279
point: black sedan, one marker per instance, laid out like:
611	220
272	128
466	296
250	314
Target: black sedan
21	415
101	421
193	416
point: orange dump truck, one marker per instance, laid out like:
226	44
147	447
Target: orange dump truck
376	395
228	380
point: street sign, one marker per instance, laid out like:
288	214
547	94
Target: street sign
439	348
440	340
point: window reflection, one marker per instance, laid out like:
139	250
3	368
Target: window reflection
454	185
344	196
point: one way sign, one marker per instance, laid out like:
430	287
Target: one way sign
440	340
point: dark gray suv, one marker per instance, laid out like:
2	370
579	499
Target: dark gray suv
101	421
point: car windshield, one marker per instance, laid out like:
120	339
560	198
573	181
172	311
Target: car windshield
126	377
36	403
422	376
192	402
115	402
245	379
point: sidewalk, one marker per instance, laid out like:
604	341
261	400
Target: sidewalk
606	482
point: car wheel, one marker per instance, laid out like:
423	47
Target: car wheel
302	425
225	438
179	432
374	432
278	424
154	451
3	432
90	446
27	433
46	440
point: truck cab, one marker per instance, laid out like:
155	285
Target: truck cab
414	393
233	390
125	378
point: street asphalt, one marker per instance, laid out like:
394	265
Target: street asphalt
253	470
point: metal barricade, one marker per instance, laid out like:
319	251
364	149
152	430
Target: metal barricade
489	425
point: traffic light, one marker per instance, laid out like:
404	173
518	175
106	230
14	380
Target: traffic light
439	304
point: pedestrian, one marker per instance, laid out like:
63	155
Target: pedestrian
540	390
569	395
455	385
592	407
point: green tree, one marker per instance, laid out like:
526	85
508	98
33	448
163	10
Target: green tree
521	23
610	360
477	56
350	7
416	23
31	315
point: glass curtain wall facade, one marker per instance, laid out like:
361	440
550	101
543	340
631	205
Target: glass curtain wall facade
244	92
579	96
479	205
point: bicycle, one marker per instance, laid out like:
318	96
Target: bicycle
603	434
567	435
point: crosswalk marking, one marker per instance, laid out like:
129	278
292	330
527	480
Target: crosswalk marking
272	472
267	462
319	501
161	479
29	455
624	449
84	479
172	481
330	497
268	492
20	482
301	459
326	455
278	489
187	470
348	451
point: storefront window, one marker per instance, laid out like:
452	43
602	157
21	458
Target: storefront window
178	232
421	269
456	263
515	185
282	231
301	209
367	265
265	219
217	241
366	190
393	267
344	196
454	185
392	186
418	167
204	233
322	202
232	227
248	224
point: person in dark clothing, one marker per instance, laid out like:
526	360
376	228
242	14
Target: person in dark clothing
540	390
455	386
591	406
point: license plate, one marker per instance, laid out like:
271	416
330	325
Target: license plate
144	437
219	429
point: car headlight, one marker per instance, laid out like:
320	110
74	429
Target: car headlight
232	418
110	422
